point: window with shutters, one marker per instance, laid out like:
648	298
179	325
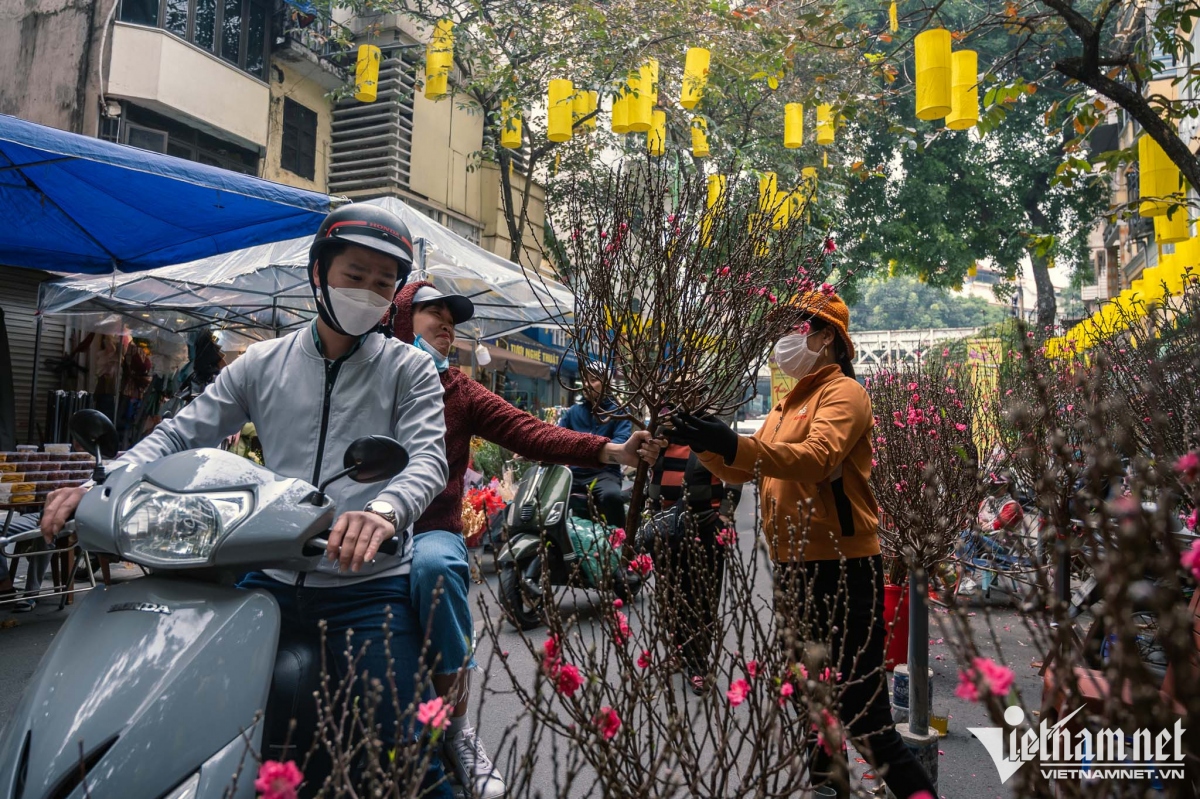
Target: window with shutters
299	152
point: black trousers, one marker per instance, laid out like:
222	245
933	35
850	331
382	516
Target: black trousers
691	579
604	490
842	616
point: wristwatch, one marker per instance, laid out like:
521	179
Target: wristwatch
385	511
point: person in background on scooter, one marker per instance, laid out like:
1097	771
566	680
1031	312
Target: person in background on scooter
821	520
426	317
692	578
999	511
601	484
309	395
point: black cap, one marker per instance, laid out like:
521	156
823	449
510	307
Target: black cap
461	308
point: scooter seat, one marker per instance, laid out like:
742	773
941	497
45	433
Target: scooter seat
297	675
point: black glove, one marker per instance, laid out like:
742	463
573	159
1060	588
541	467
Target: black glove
704	434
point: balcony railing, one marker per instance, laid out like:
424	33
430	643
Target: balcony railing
324	38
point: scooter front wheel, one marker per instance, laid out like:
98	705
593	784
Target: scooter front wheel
523	607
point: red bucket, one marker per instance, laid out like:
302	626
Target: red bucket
895	616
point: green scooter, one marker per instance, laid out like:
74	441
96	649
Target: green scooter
548	534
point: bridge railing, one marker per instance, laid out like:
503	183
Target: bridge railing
887	349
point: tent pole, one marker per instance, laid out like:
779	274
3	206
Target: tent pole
33	387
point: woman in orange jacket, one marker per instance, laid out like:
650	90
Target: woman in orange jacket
813	459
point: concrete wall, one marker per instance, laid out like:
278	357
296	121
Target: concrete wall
168	75
446	134
288	82
495	231
49	50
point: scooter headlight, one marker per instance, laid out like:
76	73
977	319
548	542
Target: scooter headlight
162	528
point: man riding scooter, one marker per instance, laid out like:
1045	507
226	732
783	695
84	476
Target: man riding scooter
310	394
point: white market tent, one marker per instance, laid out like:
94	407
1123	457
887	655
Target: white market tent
263	291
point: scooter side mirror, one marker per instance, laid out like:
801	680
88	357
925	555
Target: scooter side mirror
368	460
371	459
94	432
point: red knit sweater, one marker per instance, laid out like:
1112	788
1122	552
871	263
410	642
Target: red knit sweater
472	410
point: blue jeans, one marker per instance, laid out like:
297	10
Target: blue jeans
440	559
360	609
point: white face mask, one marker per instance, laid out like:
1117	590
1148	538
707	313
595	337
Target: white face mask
794	357
357	311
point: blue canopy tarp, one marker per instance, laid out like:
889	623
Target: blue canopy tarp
75	204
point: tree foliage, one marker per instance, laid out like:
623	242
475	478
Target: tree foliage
1093	56
932	202
904	303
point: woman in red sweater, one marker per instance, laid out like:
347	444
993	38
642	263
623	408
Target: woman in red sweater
425	317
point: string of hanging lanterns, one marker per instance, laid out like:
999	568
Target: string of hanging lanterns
634	109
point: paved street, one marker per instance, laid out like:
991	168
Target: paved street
965	770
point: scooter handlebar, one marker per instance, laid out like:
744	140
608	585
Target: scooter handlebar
317	545
30	535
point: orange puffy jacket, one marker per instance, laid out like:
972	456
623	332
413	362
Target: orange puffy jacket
813	456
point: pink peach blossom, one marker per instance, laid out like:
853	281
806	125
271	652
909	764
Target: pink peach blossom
278	780
608	722
643	660
785	691
1190	560
1188	467
569	680
435	713
617	538
642	565
738	692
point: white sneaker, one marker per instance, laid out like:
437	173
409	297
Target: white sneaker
473	767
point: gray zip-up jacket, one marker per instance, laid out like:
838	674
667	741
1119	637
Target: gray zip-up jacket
307	410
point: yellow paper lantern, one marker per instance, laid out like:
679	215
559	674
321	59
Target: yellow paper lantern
560	98
715	198
584	104
793	125
366	73
716	190
893	17
1152	285
644	97
437	85
620	112
695	76
783	209
1158	177
699	137
933	73
756	224
973	269
824	124
510	125
767	191
441	51
808	182
439	59
1172	227
964	90
656	137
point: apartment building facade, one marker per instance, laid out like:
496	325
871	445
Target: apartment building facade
256	86
1123	248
